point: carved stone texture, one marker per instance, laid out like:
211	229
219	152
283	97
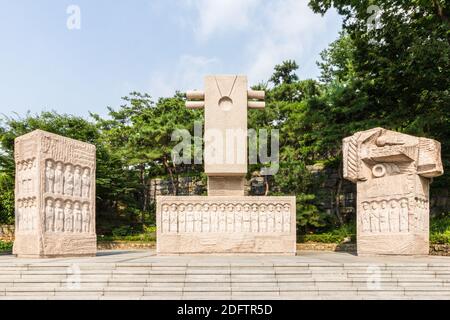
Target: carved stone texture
219	224
393	173
226	99
55	196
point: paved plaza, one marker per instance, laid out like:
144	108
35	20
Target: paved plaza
142	274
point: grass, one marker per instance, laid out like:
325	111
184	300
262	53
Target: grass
141	237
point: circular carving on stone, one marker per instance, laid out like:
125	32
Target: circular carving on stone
225	103
378	170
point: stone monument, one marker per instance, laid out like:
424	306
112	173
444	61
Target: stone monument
226	221
393	172
54	196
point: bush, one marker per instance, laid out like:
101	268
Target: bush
122	231
5	246
345	233
440	230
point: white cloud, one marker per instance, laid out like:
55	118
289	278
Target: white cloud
187	74
222	16
289	30
278	29
265	32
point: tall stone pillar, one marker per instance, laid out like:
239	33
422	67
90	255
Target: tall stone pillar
393	172
226	221
54	196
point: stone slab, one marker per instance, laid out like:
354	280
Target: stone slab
226	225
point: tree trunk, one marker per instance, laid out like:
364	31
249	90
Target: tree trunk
172	178
145	191
440	11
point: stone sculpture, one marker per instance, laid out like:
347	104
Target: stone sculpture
225	221
55	203
393	172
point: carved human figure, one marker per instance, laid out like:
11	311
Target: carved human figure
68	217
189	218
278	218
205	218
49	176
374	218
422	214
77	182
86	217
59	216
270	218
19	215
59	178
286	218
165	217
173	222
68	180
262	218
246	218
404	224
49	216
86	183
254	218
19	172
365	217
34	214
214	217
198	218
238	218
394	217
78	217
230	217
418	214
182	221
384	217
222	218
25	215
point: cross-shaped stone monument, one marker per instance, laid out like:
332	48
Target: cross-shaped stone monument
226	221
225	100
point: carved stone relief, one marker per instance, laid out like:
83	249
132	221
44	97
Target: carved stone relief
392	172
225	218
55	196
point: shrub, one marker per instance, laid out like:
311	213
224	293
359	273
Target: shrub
5	246
122	231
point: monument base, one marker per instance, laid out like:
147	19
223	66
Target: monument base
226	225
53	245
393	244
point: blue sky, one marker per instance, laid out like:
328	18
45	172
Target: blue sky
149	46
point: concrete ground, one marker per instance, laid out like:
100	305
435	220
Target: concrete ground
150	256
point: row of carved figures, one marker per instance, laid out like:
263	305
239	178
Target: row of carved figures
393	216
26	214
67	179
258	218
67	216
26	175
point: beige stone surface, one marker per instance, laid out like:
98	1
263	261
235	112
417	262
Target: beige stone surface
226	224
393	173
54	196
225	100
